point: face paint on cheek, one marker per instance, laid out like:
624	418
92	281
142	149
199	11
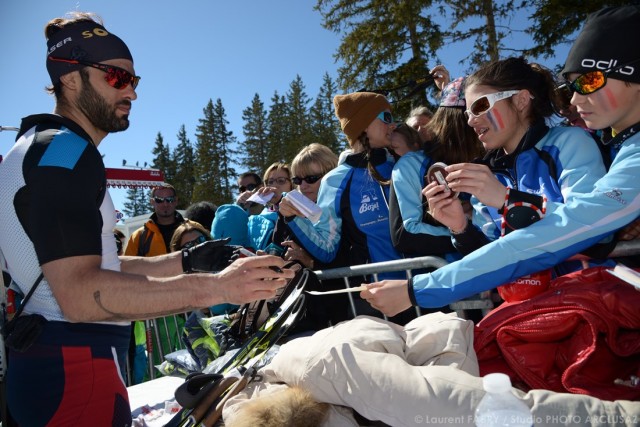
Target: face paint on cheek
495	119
610	98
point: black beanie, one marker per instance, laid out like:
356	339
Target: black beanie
610	37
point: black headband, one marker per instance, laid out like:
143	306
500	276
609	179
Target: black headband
84	40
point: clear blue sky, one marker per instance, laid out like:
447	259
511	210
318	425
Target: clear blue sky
187	52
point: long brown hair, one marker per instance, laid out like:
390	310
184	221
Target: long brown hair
363	140
455	141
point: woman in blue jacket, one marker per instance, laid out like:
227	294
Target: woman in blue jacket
354	196
527	164
530	168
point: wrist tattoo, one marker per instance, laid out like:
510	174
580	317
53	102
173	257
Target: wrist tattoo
115	316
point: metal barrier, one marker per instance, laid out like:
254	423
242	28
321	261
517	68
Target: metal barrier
373	269
482	302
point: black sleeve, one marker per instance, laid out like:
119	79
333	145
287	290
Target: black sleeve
471	239
600	250
63	198
281	231
410	243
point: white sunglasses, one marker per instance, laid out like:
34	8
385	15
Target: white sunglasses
485	103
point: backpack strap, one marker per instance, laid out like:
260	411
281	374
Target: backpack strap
145	241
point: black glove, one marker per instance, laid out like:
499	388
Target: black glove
212	255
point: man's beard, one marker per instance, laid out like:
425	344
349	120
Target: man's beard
99	113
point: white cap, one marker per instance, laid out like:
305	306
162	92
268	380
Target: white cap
496	383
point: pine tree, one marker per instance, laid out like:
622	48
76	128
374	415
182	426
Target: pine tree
226	155
486	30
297	118
255	130
205	166
214	157
162	159
553	22
184	179
385	44
278	130
137	202
325	127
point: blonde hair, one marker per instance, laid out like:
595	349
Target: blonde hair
274	167
311	154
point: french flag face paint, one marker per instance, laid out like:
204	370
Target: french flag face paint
495	118
610	99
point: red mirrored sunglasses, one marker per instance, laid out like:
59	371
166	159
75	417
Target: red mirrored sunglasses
116	77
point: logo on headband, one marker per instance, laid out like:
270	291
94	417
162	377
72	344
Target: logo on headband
607	65
59	44
101	32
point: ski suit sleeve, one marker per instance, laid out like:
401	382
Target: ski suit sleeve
322	239
567	229
409	233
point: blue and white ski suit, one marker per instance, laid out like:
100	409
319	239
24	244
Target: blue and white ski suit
411	232
354	207
567	229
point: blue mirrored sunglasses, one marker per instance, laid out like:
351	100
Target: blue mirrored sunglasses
386	117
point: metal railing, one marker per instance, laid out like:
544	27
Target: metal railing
481	302
622	249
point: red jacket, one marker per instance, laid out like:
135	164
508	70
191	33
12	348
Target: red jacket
581	336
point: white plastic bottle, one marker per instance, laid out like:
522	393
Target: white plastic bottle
500	407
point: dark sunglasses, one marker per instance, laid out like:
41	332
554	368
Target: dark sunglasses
279	181
194	242
386	117
563	96
485	103
592	81
116	77
249	187
169	199
311	179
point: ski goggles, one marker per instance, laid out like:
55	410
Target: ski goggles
386	117
593	81
311	179
116	77
485	103
169	199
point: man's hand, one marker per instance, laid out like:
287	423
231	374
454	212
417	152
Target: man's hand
389	296
296	253
253	278
212	255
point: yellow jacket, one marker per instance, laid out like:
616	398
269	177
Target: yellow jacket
147	240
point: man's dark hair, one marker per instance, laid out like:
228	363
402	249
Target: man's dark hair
251	174
202	213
